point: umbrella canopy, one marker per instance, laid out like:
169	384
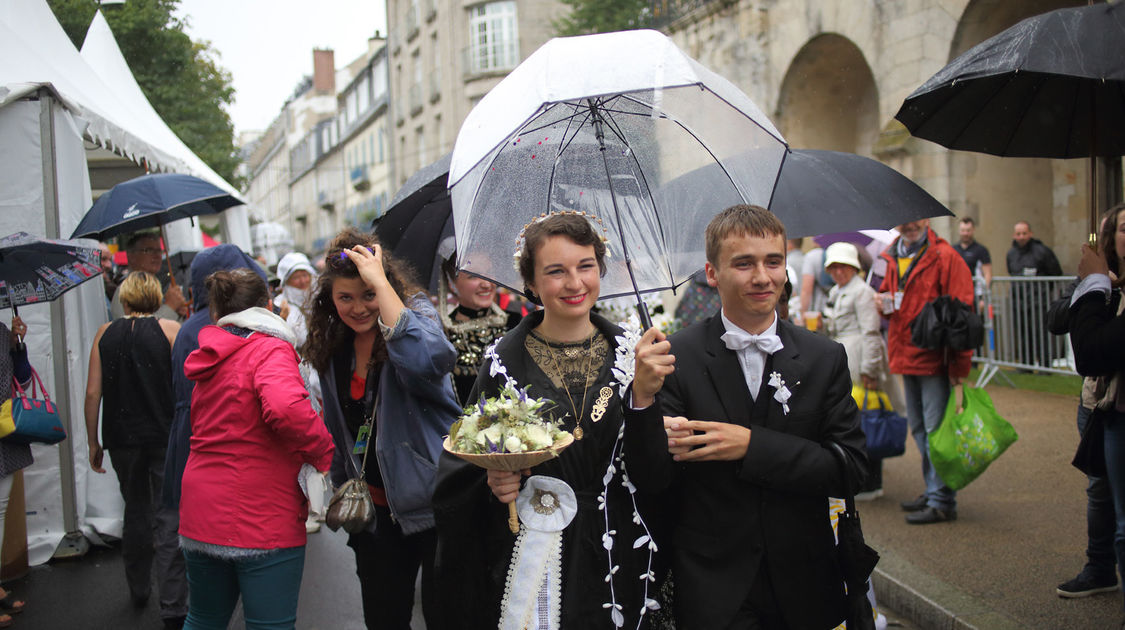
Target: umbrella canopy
606	124
820	192
150	201
418	220
34	270
1052	86
871	241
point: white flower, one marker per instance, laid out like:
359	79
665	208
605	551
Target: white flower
491	434
782	393
513	444
538	438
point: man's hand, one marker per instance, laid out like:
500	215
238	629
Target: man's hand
954	381
676	433
1092	261
716	441
868	382
505	485
654	361
174	298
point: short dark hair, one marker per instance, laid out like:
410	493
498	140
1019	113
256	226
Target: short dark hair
572	225
235	290
135	239
968	220
742	220
1028	224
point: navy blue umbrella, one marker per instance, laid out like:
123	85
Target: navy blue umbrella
150	201
35	270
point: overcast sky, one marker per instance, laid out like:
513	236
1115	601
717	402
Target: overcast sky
267	45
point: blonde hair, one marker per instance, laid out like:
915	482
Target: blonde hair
141	292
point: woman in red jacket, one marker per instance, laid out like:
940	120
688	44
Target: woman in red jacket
242	513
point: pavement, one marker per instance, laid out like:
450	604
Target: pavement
1020	532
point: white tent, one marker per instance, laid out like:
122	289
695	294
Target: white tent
50	99
101	53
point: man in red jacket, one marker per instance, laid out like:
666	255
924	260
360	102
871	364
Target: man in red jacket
920	267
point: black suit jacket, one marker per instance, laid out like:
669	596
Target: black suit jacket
769	511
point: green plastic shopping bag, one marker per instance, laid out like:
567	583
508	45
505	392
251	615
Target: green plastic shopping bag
968	441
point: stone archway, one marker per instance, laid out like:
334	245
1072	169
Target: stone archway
828	98
997	192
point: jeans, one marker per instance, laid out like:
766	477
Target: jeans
1115	471
387	564
926	397
1100	519
148	541
268	584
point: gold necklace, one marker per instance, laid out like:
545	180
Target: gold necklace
585	379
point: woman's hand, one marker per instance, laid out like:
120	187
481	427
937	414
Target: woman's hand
1092	261
96	454
654	361
868	382
369	262
505	485
18	331
676	433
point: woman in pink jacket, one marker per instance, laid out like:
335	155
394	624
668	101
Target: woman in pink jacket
242	512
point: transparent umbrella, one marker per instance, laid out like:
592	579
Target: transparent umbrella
608	125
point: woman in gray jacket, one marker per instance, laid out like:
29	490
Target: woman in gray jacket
384	366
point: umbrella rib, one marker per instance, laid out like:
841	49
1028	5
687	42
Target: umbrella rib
563	146
614	127
554	122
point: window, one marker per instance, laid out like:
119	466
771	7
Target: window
363	89
420	142
382	155
493	37
379	79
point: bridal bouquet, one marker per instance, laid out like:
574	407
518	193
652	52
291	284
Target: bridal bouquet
507	432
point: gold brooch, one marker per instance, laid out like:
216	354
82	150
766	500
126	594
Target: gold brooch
600	404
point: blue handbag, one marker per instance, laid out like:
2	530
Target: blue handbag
37	421
885	430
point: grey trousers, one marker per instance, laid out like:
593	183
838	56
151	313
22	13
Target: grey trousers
150	541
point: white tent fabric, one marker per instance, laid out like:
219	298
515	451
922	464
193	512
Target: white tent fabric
23	207
101	53
34	51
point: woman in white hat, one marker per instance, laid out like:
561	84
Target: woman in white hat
852	319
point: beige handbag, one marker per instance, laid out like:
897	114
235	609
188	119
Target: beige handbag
350	506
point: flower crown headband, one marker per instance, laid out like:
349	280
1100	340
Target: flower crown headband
594	220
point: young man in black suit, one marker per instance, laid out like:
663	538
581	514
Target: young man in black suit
732	416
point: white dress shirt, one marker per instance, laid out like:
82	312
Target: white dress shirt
751	359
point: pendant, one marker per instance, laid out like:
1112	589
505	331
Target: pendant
601	403
578	433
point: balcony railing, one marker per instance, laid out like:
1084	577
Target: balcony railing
360	180
661	13
491	57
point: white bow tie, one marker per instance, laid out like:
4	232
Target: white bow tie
739	339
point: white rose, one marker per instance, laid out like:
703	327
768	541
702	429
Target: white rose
491	434
538	437
513	444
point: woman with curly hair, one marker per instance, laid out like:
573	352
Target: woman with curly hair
384	366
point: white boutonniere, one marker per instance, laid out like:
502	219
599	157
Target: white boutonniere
781	393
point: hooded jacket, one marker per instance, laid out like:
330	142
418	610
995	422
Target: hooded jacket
252	428
205	263
939	270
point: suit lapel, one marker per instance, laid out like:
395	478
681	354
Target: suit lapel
725	373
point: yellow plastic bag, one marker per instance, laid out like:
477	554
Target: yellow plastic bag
875	398
7	423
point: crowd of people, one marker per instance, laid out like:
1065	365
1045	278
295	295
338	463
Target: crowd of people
229	412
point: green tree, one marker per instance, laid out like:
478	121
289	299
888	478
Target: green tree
181	79
602	16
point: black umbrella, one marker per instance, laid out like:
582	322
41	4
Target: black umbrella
820	192
418	220
35	270
1052	86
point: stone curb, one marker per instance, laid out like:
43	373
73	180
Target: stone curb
930	603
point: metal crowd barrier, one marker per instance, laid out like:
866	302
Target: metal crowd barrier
1014	311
